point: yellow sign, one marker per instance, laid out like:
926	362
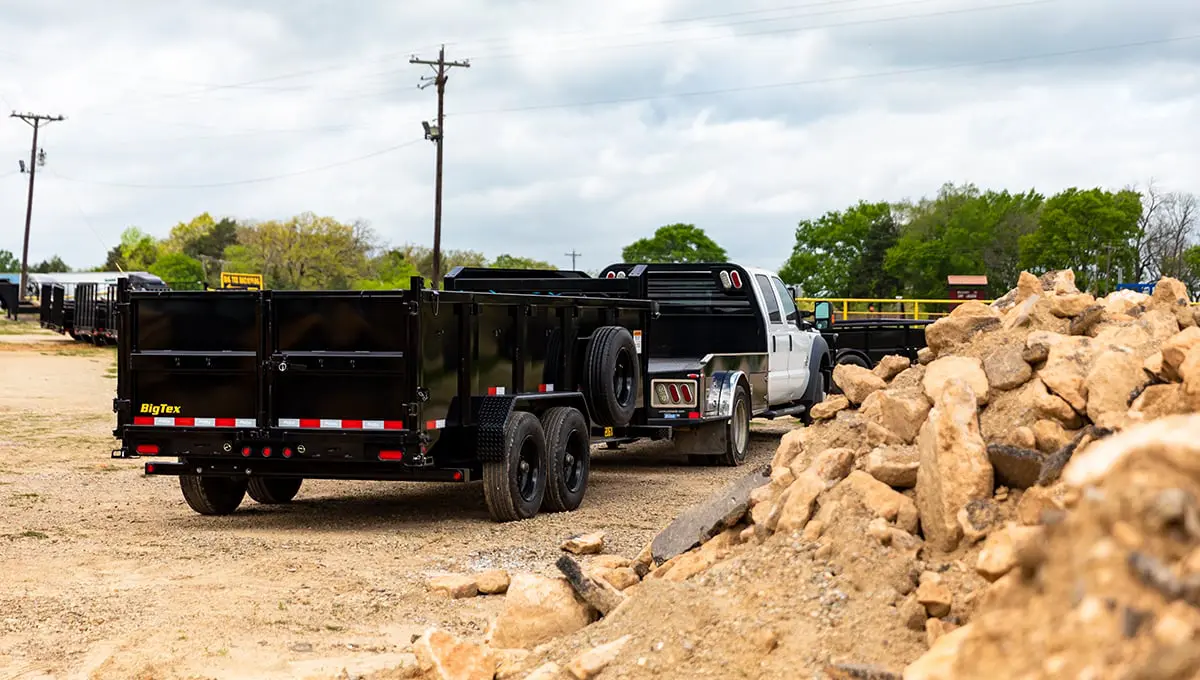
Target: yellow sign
241	281
159	409
608	432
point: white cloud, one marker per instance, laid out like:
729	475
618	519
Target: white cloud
164	94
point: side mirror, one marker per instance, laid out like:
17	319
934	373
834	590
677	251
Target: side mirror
805	314
823	314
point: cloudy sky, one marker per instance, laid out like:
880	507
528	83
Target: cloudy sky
579	125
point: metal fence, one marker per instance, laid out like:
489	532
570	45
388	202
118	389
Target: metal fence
885	308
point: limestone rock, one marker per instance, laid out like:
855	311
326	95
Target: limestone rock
830	407
585	544
547	671
909	381
1021	315
1175	350
1050	436
856	382
791	446
1159	401
895	466
1059	282
1000	553
1066	369
492	582
891	366
941	661
1022	437
925	356
935	596
1115	377
1006	368
1154	366
913	613
899	414
610	561
454	586
444	657
964	322
1051	406
589	664
978	519
1123	301
621	578
1170	291
884	501
1071	304
831	466
967	369
795	507
954	464
1086	321
538	609
1037	501
1173	441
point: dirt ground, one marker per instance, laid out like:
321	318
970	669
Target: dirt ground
108	574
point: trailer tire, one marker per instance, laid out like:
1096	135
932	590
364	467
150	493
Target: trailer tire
569	449
737	432
212	495
515	487
274	490
612	374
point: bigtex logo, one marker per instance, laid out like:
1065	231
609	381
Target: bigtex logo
159	409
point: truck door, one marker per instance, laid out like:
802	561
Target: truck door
779	338
799	370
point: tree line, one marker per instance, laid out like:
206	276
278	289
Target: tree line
867	250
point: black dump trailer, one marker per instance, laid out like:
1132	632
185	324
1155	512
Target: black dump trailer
57	313
863	342
93	311
255	391
10	299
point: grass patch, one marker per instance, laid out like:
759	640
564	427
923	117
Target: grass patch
27	534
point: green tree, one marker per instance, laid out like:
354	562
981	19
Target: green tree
54	264
506	261
674	243
841	253
422	259
135	253
205	240
179	271
303	253
1191	270
1093	231
390	270
9	262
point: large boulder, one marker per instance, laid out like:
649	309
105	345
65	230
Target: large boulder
954	464
1067	366
968	369
538	609
1115	378
441	656
1006	368
856	382
902	415
960	325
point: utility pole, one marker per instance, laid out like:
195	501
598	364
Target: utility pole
35	121
572	255
435	135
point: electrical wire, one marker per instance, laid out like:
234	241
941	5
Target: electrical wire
78	207
831	79
254	180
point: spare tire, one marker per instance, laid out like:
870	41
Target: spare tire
612	374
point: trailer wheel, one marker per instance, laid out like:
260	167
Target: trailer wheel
515	487
737	430
212	495
569	449
612	374
274	490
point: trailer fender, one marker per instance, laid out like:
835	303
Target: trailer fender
853	356
721	390
493	413
820	372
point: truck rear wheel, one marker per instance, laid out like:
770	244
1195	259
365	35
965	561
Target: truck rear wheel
612	375
568	448
212	495
515	487
737	432
274	490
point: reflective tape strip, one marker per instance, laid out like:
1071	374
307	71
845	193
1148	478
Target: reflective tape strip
495	391
167	421
435	424
546	388
336	424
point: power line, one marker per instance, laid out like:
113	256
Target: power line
254	180
572	255
831	79
440	69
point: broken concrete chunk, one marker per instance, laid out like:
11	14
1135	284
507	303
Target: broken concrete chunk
709	518
600	594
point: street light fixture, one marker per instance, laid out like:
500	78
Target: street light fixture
432	133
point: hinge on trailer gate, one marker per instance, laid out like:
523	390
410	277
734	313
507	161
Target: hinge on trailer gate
414	308
121	406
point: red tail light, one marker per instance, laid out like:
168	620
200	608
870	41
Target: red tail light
391	455
736	279
674	392
687	393
147	449
287	453
246	451
457	476
266	452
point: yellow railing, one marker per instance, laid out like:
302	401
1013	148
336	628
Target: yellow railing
884	308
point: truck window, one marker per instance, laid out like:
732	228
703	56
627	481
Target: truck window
768	294
789	305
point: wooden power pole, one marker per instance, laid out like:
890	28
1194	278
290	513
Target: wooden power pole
35	121
572	255
435	134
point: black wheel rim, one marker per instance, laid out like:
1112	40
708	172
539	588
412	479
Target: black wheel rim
529	469
573	457
623	377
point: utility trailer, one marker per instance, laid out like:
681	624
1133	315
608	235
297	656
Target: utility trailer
863	342
256	391
95	306
726	346
57	313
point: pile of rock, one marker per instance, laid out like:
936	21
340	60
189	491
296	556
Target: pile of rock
1032	458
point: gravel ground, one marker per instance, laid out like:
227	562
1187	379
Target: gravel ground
108	574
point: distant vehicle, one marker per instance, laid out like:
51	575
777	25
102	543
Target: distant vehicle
863	342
